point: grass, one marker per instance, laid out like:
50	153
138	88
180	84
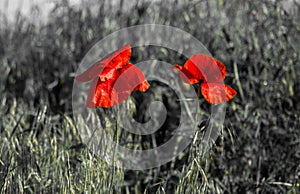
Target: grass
258	152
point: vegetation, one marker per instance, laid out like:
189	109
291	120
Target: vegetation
259	150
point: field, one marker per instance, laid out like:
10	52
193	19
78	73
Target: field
41	150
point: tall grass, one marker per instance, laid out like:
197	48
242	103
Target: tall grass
259	150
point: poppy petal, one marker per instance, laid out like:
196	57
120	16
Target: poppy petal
91	72
143	87
117	89
107	66
131	78
188	76
200	68
206	68
217	93
98	95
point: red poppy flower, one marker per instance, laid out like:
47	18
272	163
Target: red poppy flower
114	78
107	66
210	73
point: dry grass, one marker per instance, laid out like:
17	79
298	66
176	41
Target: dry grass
259	150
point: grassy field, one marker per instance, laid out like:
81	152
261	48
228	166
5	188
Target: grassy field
258	151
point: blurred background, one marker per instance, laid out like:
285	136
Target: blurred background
43	42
